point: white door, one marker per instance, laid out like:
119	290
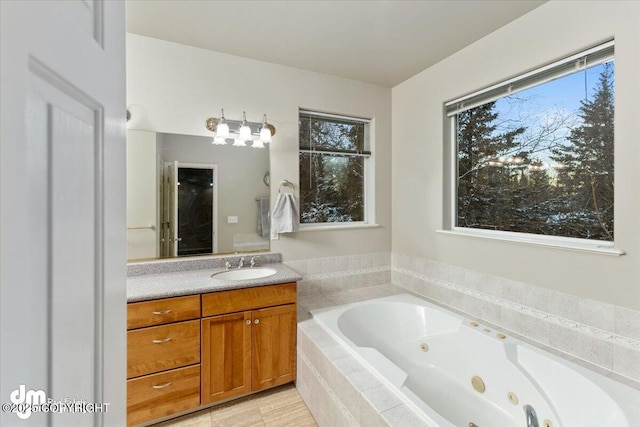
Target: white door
62	209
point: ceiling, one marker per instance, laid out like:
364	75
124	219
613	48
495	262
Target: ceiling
381	42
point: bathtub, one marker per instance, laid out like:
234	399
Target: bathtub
456	372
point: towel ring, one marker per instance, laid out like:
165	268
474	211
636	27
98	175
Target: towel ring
286	183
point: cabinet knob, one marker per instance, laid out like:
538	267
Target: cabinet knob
161	341
256	321
160	313
248	322
165	385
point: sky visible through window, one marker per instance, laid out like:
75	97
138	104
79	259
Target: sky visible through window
540	161
554	105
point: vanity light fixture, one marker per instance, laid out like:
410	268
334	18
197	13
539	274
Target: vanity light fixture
222	129
265	132
240	131
244	130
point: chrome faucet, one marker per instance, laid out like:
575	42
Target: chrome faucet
227	264
253	260
241	263
532	417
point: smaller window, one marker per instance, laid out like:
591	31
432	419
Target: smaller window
334	156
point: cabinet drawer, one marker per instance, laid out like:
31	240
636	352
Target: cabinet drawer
161	311
158	395
159	348
248	298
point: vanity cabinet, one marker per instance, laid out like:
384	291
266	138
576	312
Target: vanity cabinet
163	358
249	350
190	351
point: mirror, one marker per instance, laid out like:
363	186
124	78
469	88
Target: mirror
186	196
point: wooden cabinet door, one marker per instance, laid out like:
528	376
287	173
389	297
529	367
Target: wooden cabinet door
274	346
226	356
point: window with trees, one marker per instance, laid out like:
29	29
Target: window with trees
535	154
334	151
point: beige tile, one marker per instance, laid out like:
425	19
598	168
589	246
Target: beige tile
312	302
277	398
627	362
278	407
197	419
294	413
597	314
595	350
243	415
627	322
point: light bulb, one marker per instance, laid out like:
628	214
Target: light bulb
222	130
258	144
245	132
218	140
265	134
239	142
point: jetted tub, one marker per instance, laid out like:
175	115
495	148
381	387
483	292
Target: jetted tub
454	372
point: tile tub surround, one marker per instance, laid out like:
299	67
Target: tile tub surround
602	334
165	285
174	265
338	389
332	274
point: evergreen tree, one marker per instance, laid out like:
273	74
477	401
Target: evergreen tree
331	185
483	187
588	160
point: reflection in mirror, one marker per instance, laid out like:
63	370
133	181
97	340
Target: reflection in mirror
186	196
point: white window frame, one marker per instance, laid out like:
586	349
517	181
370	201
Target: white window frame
565	66
369	176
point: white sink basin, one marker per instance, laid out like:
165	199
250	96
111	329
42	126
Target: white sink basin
244	274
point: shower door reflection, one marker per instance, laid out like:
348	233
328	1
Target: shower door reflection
190	209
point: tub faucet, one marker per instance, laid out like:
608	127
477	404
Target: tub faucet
241	263
532	417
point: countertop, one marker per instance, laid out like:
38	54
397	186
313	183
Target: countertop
165	285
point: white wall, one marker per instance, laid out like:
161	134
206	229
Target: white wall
174	88
142	195
550	32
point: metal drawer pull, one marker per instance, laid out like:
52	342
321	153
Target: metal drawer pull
161	341
248	322
158	387
160	313
256	321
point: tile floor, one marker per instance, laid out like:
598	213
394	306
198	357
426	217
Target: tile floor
278	407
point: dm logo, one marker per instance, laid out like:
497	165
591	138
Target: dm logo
26	399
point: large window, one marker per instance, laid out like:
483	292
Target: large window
535	154
334	152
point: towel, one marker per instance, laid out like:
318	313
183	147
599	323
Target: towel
285	217
263	217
